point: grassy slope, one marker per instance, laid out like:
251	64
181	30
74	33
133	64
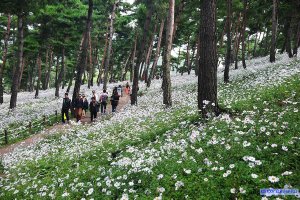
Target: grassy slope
174	145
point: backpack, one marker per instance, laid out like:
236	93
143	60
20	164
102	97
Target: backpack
104	98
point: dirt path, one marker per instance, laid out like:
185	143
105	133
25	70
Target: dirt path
37	137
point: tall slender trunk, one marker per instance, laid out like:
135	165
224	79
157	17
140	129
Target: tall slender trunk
149	53
289	39
16	76
266	47
192	58
296	40
83	55
21	73
125	68
111	33
244	33
274	32
179	11
46	68
152	72
50	63
187	58
61	73
255	44
167	95
90	63
228	35
140	54
104	57
133	59
5	49
39	67
207	80
237	42
197	55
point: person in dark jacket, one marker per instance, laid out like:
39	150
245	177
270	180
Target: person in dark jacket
114	100
65	108
85	105
78	105
93	109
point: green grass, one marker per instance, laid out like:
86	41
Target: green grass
274	120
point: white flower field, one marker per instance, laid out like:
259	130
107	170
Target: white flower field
150	152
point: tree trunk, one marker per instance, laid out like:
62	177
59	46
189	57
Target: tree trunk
228	35
5	49
47	77
193	56
90	68
21	73
125	68
140	55
111	33
167	95
16	76
296	40
149	53
288	39
61	73
46	68
151	76
39	67
187	58
133	59
267	42
179	12
237	42
197	55
274	32
244	33
103	58
83	55
255	44
207	80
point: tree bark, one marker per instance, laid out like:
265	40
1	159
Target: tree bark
237	42
140	55
187	58
152	72
244	33
16	76
103	58
111	33
197	56
133	59
207	80
274	32
228	35
5	49
255	44
61	73
179	11
167	93
21	73
47	76
288	38
39	67
296	41
149	53
90	65
83	54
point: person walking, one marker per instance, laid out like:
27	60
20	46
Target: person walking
114	101
85	106
78	105
127	88
93	109
65	108
119	90
103	101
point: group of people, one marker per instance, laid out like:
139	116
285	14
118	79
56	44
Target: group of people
80	106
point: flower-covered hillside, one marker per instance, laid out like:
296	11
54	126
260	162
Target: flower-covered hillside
149	152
